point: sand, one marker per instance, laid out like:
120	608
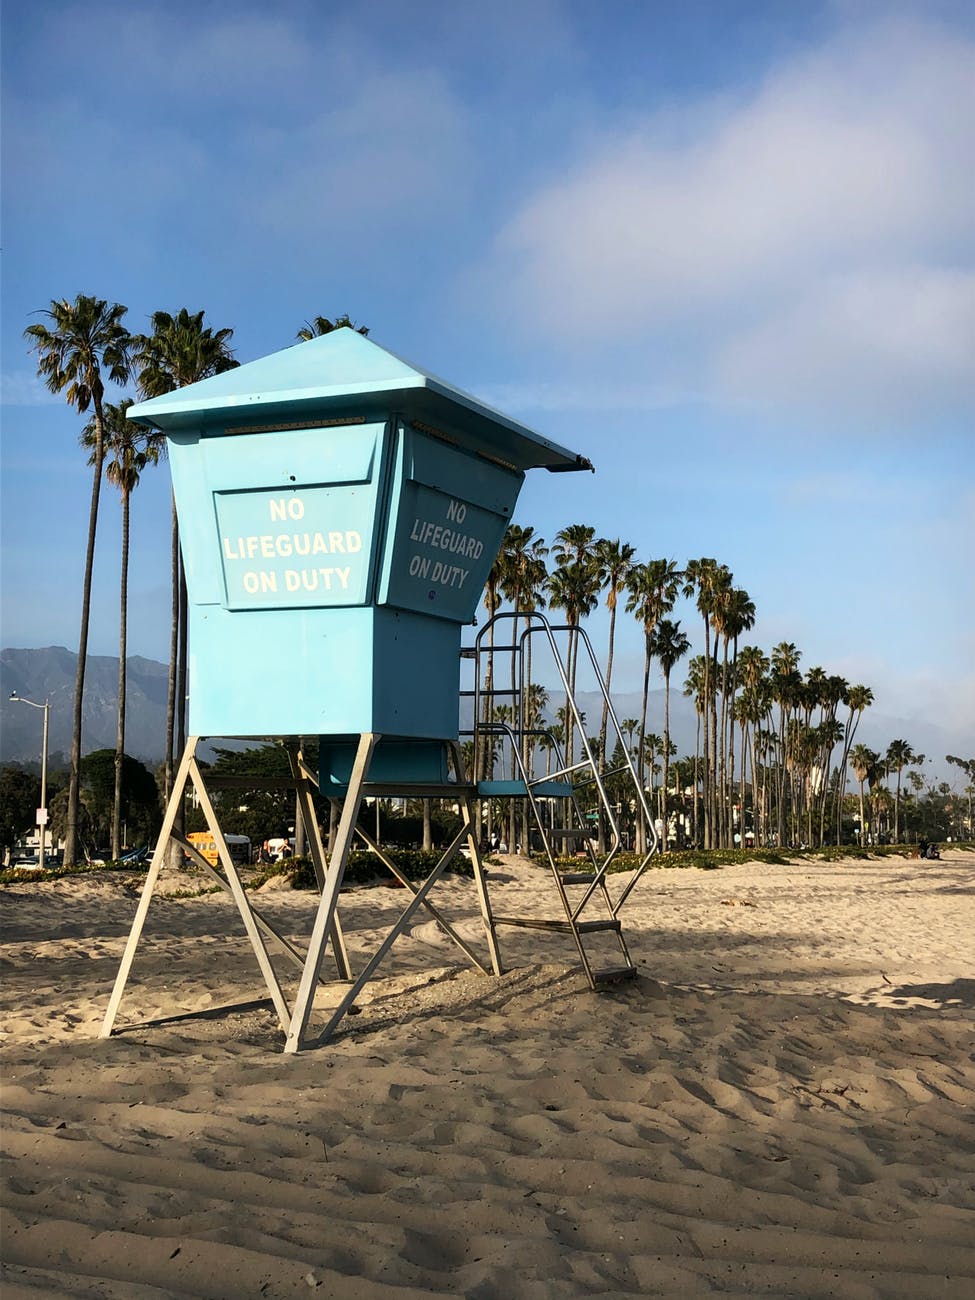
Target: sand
780	1105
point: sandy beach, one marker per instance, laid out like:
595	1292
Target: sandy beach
780	1105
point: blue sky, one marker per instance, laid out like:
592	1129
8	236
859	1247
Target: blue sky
723	249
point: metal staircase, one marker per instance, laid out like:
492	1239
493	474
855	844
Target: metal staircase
559	807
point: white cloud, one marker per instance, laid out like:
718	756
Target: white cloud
812	234
881	342
395	154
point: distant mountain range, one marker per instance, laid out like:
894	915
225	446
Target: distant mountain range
49	674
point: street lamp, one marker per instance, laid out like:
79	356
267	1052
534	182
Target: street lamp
42	811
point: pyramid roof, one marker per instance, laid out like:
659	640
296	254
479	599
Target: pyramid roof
344	372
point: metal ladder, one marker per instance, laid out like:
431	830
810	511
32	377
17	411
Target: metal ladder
590	912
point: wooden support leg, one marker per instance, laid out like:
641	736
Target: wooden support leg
316	848
240	898
155	866
333	883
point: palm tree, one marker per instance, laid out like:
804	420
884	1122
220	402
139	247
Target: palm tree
707	578
574	587
786	688
751	707
863	761
734	613
899	755
857	699
669	647
653	590
615	560
84	338
128	450
522	581
694	688
322	325
180	350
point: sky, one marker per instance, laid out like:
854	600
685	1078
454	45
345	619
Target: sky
722	248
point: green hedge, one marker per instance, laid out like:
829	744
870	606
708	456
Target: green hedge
711	859
363	867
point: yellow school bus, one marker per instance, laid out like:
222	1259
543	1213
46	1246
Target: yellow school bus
206	846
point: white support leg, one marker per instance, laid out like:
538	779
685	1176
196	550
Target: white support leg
155	866
325	915
240	898
316	848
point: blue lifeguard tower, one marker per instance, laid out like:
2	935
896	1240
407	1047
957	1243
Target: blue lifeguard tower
339	511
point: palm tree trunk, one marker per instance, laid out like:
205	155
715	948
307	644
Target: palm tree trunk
122	666
641	835
604	723
74	780
697	757
666	764
427	824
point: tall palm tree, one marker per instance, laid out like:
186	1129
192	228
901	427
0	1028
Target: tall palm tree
653	589
574	587
734	613
751	707
669	646
83	339
522	579
864	762
180	350
899	755
706	578
857	699
787	690
614	560
320	325
128	450
695	688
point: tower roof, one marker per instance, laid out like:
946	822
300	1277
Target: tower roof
345	372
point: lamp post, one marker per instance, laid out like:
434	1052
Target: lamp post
42	811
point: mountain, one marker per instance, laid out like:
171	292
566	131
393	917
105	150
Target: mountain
49	674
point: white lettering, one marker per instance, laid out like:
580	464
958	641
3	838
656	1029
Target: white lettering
336	542
456	510
287	508
251	583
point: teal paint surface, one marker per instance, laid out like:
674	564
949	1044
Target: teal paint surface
339	513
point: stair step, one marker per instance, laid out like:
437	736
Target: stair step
577	878
535	923
595	927
614	974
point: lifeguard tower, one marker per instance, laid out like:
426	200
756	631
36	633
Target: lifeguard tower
340	510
